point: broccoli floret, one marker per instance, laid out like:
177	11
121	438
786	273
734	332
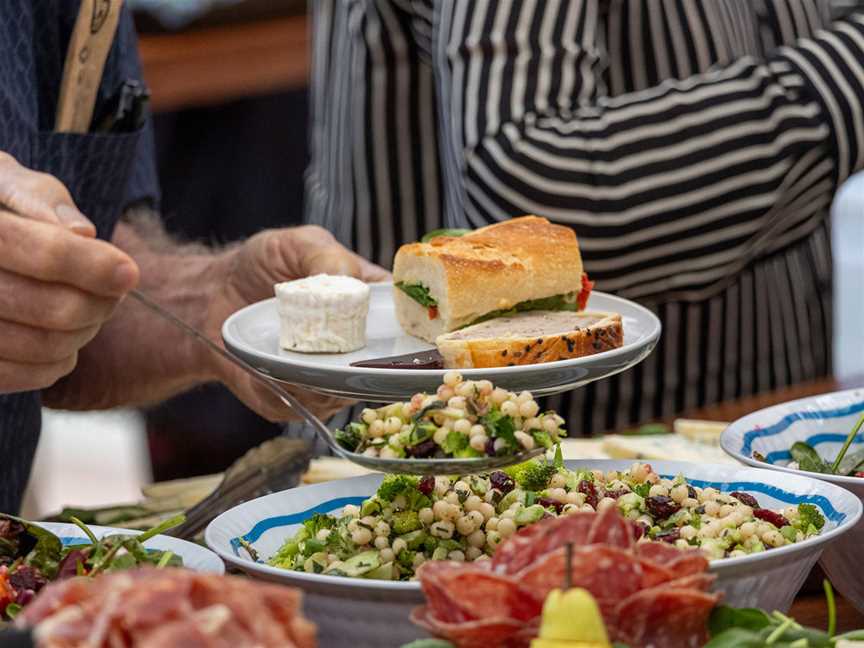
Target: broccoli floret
317	522
455	442
405	485
809	515
352	436
406	559
405	522
542	438
533	475
394	485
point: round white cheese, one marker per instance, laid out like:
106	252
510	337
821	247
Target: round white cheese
323	314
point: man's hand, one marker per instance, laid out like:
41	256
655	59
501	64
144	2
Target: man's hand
58	284
279	255
250	272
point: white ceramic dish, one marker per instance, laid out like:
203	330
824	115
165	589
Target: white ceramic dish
365	613
253	334
824	422
195	557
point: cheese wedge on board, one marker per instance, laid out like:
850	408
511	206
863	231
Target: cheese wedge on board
669	447
701	431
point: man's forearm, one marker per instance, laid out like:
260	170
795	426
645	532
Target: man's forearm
138	358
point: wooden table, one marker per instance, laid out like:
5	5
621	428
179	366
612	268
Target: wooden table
215	65
809	608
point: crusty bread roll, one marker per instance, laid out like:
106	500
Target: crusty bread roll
530	338
490	269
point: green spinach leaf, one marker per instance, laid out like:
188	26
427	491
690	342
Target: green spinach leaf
418	292
808	459
724	617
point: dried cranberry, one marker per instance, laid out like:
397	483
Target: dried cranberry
770	516
502	481
490	447
25	596
27	578
661	507
639	529
425	449
10	529
548	502
745	498
590	491
69	565
859	474
669	536
426	485
615	494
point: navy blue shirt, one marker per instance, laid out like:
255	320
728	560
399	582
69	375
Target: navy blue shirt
104	173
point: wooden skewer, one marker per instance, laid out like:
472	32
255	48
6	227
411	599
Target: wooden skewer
91	41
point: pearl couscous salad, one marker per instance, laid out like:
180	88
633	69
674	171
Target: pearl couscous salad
411	519
463	419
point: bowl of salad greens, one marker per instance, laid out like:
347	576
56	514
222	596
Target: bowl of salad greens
822	436
34	554
353	545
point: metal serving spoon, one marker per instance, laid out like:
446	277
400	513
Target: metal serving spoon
411	466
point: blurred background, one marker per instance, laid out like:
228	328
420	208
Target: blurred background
228	82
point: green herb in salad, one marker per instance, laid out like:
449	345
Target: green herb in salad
410	519
805	457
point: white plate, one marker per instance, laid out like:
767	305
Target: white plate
195	557
360	613
824	422
253	334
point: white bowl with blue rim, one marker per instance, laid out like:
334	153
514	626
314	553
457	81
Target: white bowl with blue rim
195	557
823	422
364	613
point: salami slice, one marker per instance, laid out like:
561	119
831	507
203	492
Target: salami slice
692	561
442	601
701	582
496	631
460	595
661	553
609	573
664	617
654	574
539	539
611	529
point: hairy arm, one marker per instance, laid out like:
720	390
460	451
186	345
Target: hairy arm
137	358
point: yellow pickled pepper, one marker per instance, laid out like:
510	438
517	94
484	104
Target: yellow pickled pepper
571	619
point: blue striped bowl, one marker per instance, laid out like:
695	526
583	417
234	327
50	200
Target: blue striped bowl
823	422
365	613
195	557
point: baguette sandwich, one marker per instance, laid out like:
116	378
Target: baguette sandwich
522	265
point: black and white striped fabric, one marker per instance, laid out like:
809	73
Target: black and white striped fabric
694	146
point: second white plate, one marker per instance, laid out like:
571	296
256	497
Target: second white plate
253	334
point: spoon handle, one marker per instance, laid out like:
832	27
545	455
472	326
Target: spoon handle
271	385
